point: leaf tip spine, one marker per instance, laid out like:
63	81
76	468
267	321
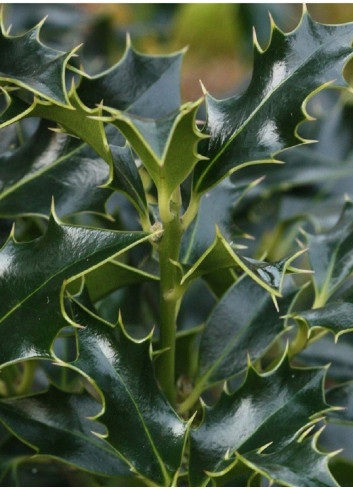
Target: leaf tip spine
128	40
274	299
256	41
203	88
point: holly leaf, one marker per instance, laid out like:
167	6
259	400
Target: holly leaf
222	254
113	275
242	326
134	408
341	396
335	317
271	408
167	146
28	63
323	165
326	351
33	277
331	256
60	166
156	93
62	425
126	177
216	209
285	467
254	127
74	119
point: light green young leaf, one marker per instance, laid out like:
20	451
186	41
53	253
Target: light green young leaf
167	146
111	276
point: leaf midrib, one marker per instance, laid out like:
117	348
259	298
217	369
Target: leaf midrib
145	428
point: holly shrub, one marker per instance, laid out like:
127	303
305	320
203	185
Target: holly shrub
145	338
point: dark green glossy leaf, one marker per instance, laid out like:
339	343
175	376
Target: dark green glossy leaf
286	466
112	276
154	93
326	351
270	408
74	119
331	256
254	127
59	166
222	254
58	424
126	177
216	208
325	165
341	396
26	62
33	277
12	453
335	316
134	408
243	323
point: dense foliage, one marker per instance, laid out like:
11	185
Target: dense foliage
146	339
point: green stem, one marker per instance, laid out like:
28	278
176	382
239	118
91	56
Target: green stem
169	247
191	211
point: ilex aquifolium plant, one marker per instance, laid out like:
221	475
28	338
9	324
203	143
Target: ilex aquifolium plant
146	344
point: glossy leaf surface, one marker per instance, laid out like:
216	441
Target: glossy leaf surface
243	324
61	167
167	146
286	466
26	62
134	408
254	127
155	94
216	209
57	424
331	255
33	277
126	177
222	254
271	408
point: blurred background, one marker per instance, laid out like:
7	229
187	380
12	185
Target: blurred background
219	35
